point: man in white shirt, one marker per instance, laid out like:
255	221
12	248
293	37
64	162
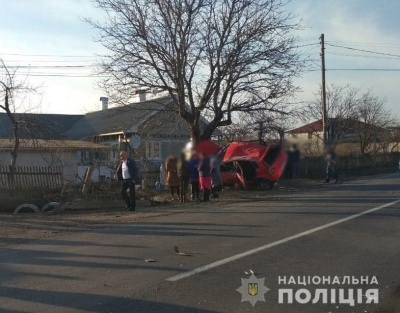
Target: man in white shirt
127	173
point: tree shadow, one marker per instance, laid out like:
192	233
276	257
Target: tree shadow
89	302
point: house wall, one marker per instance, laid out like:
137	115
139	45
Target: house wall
168	130
67	160
152	147
314	146
172	147
158	149
308	146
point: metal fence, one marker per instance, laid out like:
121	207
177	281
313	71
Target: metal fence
347	165
30	179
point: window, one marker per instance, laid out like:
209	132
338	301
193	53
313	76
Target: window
86	157
153	149
309	136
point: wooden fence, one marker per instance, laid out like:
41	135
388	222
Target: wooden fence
30	179
150	178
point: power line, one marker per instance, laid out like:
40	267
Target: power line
104	76
307	45
368	51
38	74
371	44
60	75
49	61
365	69
356	69
362	56
51	66
49	55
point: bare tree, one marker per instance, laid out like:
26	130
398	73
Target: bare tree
241	129
341	107
13	92
358	117
375	119
213	57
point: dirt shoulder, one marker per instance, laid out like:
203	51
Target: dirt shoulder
22	228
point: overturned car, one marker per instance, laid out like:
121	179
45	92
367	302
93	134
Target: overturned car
250	164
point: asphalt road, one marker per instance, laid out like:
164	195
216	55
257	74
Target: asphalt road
350	229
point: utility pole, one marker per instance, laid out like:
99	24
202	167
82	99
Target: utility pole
323	94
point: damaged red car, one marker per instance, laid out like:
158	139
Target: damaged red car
250	164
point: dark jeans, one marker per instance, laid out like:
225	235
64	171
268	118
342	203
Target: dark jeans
195	190
295	169
331	172
215	191
129	198
183	190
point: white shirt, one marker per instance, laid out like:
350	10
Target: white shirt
125	170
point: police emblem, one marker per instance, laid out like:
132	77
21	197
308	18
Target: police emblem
253	289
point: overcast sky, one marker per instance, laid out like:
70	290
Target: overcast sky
55	30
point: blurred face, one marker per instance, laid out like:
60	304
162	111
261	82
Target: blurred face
123	156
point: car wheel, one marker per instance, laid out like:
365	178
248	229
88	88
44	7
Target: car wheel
266	184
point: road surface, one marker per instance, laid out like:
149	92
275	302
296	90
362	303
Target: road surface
345	230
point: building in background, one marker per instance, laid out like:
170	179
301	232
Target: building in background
50	152
150	130
347	135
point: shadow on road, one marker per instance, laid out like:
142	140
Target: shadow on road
89	302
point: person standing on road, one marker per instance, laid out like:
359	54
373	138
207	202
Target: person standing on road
126	173
216	177
205	176
295	158
173	181
331	166
184	174
194	177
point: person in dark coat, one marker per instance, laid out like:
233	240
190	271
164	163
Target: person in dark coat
173	180
127	174
184	175
295	159
289	163
194	176
331	165
216	177
205	176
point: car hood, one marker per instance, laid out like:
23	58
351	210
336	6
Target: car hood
244	151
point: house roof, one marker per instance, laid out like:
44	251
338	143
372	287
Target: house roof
116	120
40	126
82	127
315	126
49	144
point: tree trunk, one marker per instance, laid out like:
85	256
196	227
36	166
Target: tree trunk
195	134
14	152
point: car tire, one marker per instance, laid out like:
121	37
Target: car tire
266	184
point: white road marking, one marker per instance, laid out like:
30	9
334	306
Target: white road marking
276	243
